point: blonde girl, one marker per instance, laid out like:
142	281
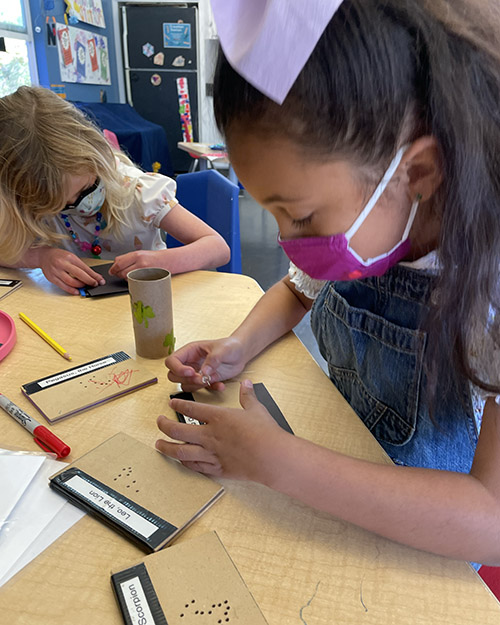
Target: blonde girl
65	195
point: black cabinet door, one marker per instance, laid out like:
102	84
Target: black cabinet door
157	101
170	31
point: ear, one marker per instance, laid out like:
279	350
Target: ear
423	167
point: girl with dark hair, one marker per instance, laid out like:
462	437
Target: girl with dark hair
378	155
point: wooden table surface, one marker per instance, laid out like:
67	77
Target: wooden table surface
302	566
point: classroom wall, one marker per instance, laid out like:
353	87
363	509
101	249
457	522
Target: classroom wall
207	48
47	56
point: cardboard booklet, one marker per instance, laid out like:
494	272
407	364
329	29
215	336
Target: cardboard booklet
139	492
113	286
68	392
192	583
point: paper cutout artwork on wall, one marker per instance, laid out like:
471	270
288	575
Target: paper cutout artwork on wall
159	58
148	49
89	11
176	35
184	109
179	61
156	80
80	58
64	46
83	56
94	64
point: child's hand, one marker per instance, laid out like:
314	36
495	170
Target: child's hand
234	443
133	260
217	360
66	270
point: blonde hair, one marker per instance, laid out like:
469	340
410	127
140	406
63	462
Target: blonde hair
43	140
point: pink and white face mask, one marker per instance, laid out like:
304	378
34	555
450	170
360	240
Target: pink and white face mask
332	258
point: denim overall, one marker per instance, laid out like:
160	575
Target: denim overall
369	333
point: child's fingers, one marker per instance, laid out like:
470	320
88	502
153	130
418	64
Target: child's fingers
185	361
185	452
121	269
247	395
93	274
202	412
183	432
84	275
123	264
187	384
65	287
206	468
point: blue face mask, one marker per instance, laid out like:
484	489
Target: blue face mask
89	202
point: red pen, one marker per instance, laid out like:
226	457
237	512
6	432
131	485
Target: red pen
42	435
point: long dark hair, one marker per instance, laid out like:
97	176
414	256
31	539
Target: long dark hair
384	73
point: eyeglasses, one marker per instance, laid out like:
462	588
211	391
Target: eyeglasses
83	194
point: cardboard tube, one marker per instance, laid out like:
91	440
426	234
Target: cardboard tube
151	301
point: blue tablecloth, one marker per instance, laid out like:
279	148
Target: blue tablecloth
145	142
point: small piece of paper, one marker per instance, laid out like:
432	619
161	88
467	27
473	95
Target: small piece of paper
159	58
148	50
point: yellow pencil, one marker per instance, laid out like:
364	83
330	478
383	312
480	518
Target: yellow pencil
45	336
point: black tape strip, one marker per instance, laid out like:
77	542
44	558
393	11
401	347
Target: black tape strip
265	398
151	543
34	387
141	572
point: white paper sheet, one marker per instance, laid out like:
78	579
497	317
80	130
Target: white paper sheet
62	522
17	470
38	518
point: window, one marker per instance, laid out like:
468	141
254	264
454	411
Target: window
17	60
13	17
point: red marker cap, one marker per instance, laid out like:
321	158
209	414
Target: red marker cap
49	442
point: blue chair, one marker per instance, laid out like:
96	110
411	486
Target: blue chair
214	199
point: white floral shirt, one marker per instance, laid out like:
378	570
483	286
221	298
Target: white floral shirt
484	353
154	197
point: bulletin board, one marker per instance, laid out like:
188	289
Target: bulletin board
89	11
83	56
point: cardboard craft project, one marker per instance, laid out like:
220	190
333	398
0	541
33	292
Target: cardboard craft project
113	286
139	492
71	391
262	395
193	583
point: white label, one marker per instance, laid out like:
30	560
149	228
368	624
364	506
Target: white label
191	421
66	375
112	506
6	282
136	602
